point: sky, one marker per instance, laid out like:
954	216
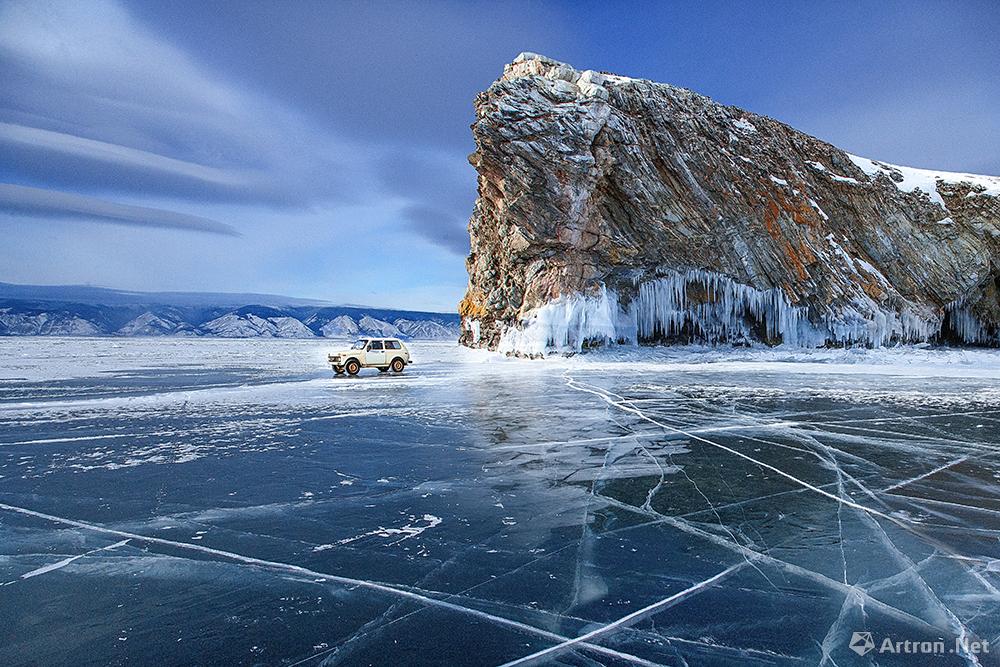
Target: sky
319	149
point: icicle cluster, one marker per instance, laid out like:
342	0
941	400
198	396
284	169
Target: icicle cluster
567	324
728	313
475	329
966	326
701	306
874	327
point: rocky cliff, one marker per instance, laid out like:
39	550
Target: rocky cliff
618	209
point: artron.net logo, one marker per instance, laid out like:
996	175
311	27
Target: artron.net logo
864	643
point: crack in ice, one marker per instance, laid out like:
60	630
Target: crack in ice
322	576
624	621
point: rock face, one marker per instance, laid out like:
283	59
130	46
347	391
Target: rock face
617	209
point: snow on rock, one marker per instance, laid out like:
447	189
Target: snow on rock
651	214
911	179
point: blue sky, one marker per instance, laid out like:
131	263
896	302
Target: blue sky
318	149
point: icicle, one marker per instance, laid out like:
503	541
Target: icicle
567	324
475	328
726	312
663	310
967	326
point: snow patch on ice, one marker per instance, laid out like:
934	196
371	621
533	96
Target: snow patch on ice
415	527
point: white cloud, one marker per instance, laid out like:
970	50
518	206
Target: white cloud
90	84
115	154
49	203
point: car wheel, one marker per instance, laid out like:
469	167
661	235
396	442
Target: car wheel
352	367
339	370
397	365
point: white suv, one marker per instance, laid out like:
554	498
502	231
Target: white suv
385	354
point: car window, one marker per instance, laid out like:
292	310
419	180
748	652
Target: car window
359	345
392	345
376	345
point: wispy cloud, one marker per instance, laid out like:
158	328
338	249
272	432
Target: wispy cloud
97	102
51	204
115	154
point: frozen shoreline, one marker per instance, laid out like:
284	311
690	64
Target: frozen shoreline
38	359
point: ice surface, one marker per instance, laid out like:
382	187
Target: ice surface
231	502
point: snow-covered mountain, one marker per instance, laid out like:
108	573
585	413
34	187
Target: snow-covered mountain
376	327
251	325
129	314
427	329
150	324
34	323
342	326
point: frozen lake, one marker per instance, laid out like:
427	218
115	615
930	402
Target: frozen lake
231	502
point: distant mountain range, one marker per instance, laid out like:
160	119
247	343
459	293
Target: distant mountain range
28	310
